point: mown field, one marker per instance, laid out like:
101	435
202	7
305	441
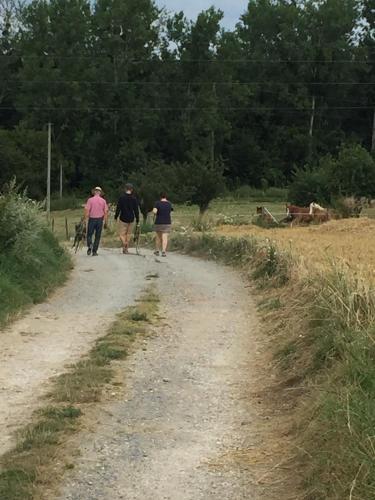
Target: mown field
351	241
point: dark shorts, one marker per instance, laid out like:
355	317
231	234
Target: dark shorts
163	228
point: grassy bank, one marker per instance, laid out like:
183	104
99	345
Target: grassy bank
31	261
44	449
322	328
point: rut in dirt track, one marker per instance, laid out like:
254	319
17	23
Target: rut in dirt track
188	416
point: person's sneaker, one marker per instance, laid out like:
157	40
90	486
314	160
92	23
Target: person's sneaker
94	254
89	251
163	254
157	253
125	250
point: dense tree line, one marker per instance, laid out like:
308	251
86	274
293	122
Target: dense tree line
134	92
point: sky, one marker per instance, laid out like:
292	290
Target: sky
231	8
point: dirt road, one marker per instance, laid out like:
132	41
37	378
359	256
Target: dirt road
187	418
58	332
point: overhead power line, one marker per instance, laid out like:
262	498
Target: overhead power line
186	83
178	61
113	109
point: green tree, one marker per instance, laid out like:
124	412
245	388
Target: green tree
352	174
158	178
204	180
23	155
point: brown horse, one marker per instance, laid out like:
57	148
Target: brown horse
298	214
313	213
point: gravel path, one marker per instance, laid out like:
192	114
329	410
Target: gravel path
61	330
188	414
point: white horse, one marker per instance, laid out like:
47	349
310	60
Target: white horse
315	206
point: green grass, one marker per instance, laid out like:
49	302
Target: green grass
30	468
225	211
340	436
66	203
32	262
28	280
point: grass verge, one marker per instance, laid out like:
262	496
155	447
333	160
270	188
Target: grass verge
31	261
322	330
29	280
30	467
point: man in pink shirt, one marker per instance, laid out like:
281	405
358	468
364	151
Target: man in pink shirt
96	213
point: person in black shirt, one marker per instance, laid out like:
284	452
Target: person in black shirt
163	224
127	211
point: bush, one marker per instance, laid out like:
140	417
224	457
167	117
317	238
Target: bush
31	260
352	173
20	222
308	185
347	207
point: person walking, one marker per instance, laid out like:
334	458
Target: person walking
96	213
163	224
127	211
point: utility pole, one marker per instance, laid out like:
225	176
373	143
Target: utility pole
213	132
48	201
61	181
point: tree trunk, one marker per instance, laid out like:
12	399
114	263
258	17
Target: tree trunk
212	149
312	123
373	133
202	210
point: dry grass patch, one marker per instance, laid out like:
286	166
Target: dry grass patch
349	240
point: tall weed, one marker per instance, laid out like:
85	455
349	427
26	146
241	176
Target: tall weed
20	222
340	436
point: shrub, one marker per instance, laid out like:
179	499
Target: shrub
20	221
308	185
347	207
31	260
352	173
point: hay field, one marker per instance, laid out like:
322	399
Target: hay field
351	241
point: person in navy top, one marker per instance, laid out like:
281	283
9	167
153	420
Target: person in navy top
163	224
